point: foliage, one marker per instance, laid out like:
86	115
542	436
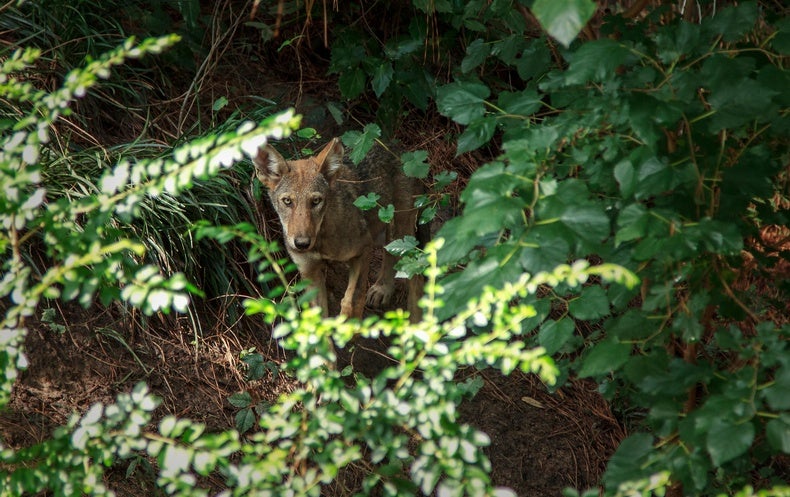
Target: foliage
661	146
88	256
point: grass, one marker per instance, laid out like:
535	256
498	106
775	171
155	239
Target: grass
132	115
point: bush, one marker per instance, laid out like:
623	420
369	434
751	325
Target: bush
660	146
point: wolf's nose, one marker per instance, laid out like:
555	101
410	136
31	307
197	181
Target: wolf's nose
302	243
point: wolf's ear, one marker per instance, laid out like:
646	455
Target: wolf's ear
270	166
330	159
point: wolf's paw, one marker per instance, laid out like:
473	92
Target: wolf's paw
379	295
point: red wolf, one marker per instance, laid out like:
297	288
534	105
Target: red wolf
314	198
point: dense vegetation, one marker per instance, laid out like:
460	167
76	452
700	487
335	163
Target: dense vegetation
627	223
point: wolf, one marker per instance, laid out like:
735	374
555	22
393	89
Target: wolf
314	199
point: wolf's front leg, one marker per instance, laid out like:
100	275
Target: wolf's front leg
353	303
313	269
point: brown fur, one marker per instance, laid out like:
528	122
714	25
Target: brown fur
314	199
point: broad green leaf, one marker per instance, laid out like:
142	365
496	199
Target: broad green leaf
781	40
367	202
360	142
544	248
778	433
522	103
591	304
596	61
727	440
535	60
477	134
401	246
733	22
588	222
245	419
605	357
387	213
352	82
476	54
626	464
240	399
415	164
462	101
554	334
632	223
563	20
777	394
382	77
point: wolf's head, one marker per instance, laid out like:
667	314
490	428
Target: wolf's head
298	190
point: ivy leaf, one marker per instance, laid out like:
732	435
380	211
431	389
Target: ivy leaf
401	246
360	142
563	20
727	440
605	357
415	164
386	214
367	202
462	101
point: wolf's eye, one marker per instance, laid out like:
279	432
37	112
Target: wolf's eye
287	200
317	201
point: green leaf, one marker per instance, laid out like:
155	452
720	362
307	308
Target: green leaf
462	101
401	246
415	164
245	419
727	440
382	77
626	464
563	20
367	202
605	357
778	433
522	103
477	134
591	304
360	142
544	248
352	82
733	22
476	54
554	334
386	214
777	394
632	223
240	399
596	61
219	103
